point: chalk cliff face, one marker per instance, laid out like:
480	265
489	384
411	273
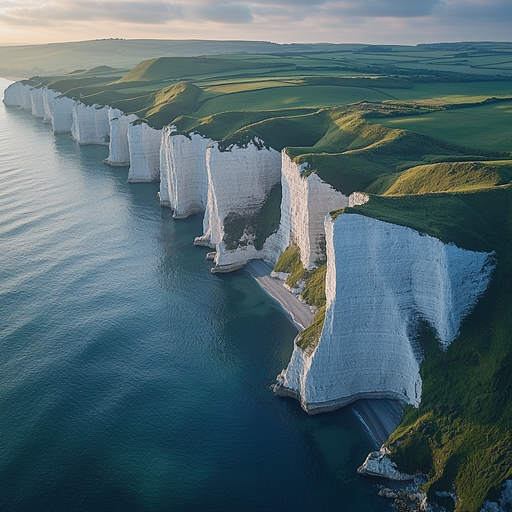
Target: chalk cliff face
381	280
306	201
144	147
18	95
62	114
118	149
36	100
90	124
239	182
183	174
49	96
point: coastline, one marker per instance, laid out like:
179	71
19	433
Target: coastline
379	417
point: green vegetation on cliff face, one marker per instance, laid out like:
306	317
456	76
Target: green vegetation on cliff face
240	229
313	292
290	263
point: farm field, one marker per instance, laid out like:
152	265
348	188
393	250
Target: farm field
485	127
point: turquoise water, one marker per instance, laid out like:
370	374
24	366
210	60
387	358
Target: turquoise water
131	378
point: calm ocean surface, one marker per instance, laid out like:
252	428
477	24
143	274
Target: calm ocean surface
132	379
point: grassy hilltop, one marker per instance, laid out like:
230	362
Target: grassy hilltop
426	131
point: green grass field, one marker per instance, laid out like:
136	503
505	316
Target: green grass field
289	97
486	127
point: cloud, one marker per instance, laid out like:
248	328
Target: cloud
139	12
459	10
227	13
220	11
386	8
397	21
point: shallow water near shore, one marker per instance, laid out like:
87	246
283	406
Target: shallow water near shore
130	377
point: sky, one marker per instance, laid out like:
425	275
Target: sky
281	21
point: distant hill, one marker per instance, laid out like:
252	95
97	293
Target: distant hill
58	58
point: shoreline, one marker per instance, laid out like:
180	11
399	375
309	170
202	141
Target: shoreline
299	311
379	417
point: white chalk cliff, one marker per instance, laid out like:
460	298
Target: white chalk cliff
306	201
239	182
144	147
183	173
90	124
18	95
381	280
62	114
36	99
49	96
118	148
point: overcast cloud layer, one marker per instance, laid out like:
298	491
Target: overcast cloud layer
371	21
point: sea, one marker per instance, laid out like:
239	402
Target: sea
131	378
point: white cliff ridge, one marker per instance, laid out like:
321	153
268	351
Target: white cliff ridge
306	201
18	95
144	148
62	114
90	124
183	173
118	148
239	182
36	99
49	96
381	280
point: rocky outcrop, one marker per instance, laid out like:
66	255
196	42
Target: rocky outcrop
239	182
379	464
90	124
118	148
382	279
183	173
306	201
144	147
37	104
18	95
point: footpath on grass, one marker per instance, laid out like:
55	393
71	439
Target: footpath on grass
379	417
